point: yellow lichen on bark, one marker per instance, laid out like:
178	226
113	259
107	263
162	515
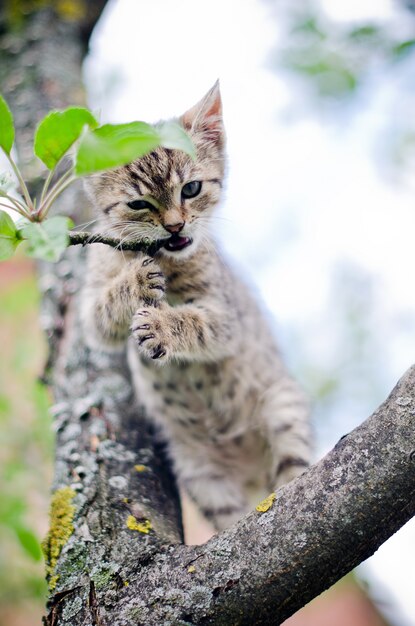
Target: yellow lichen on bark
140	468
71	10
266	504
61	514
68	10
133	524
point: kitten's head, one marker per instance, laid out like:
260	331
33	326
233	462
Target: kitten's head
165	194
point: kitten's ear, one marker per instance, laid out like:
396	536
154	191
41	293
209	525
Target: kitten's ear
206	116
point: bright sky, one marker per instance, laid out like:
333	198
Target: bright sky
355	10
301	196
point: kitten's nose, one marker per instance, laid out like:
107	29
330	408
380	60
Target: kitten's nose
174	228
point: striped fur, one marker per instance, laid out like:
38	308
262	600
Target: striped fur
203	357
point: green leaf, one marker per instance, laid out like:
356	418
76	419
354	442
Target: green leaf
329	75
9	236
6	127
113	145
47	240
310	26
403	48
58	131
29	542
172	135
367	31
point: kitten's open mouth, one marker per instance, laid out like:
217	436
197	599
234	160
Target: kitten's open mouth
177	242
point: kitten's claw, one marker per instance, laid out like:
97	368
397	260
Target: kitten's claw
147	261
145	338
159	354
152	337
147	284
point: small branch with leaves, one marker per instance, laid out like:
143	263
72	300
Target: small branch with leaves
95	148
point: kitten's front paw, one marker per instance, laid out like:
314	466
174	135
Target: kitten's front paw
149	280
150	330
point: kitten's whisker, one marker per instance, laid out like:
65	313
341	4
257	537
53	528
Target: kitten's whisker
119	246
85	224
214	217
121	233
110	231
98	234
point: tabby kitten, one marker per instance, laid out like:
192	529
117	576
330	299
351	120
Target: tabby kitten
204	359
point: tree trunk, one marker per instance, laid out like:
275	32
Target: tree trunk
114	551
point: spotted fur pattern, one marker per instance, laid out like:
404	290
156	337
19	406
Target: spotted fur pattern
204	359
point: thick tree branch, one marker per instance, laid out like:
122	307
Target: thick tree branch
320	526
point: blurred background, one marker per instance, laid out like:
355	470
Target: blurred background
319	215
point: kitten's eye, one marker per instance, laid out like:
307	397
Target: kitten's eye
140	205
192	189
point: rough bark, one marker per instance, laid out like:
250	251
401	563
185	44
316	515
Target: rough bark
114	551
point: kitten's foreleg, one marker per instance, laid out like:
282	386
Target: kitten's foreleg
109	304
185	332
285	418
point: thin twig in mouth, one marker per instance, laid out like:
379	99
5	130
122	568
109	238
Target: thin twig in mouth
149	247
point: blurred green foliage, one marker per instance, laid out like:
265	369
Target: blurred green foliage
26	441
336	58
352	70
